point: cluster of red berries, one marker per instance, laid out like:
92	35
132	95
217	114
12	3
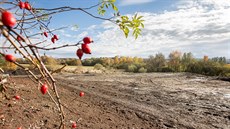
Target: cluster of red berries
8	18
10	21
84	47
53	39
24	5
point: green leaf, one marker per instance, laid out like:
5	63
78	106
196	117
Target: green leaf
134	32
102	12
124	18
130	25
139	17
102	6
135	24
142	25
126	31
141	20
114	8
117	21
136	36
135	16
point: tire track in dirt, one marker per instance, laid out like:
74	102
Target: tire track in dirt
142	111
168	108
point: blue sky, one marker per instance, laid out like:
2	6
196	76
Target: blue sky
76	17
198	26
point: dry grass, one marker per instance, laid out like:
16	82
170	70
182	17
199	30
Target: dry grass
227	66
77	69
67	68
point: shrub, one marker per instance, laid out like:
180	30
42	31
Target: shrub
142	70
79	69
155	62
8	66
131	68
121	66
208	68
99	67
165	69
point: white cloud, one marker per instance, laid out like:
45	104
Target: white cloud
67	35
208	4
133	2
82	35
92	27
198	26
203	28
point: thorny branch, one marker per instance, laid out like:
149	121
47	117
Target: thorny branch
33	19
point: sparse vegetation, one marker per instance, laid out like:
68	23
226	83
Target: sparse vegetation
177	62
7	66
142	70
99	67
155	63
131	68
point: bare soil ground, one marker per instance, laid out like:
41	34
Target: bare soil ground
122	101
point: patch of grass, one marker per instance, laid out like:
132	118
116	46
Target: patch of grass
227	66
67	68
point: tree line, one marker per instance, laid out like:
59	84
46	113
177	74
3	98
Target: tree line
175	62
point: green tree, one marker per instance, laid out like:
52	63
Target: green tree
123	59
221	60
135	60
175	61
142	70
107	62
116	60
131	68
155	63
186	59
73	62
210	68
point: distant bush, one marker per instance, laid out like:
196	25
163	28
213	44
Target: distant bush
153	63
78	69
142	70
121	66
8	66
73	62
165	69
131	68
92	61
208	68
49	60
49	67
99	67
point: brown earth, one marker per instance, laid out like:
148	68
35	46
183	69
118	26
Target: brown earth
122	101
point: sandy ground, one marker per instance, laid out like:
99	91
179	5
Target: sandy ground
122	101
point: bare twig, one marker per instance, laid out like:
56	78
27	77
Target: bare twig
37	19
58	70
